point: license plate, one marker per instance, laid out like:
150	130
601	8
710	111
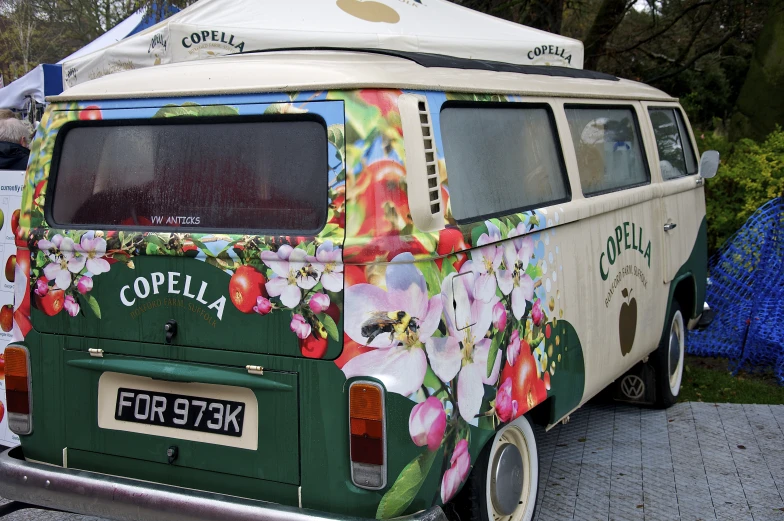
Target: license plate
180	412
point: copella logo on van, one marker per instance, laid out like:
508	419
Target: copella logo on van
551	50
143	288
620	242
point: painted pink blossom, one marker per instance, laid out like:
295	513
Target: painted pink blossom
41	287
84	285
427	423
457	473
329	259
514	280
319	303
300	326
505	406
263	306
486	262
513	349
293	274
499	316
398	360
63	262
464	351
537	315
90	252
71	306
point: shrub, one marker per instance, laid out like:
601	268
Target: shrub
750	174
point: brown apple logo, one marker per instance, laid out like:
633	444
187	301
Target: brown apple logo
369	11
627	324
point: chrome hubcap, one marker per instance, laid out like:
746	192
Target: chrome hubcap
507	482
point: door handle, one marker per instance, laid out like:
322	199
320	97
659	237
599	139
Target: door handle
669	226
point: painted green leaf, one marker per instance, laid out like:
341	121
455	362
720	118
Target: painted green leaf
92	304
493	352
330	326
431	380
335	136
193	109
432	278
406	487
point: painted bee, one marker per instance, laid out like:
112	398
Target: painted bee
396	323
306	272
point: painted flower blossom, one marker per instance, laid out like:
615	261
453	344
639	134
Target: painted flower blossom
514	280
329	258
537	315
300	326
427	423
319	303
505	406
71	306
41	287
513	349
84	285
499	316
263	306
294	273
63	260
486	262
465	350
457	472
397	322
90	252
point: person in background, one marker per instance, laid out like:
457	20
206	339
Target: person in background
7	114
14	140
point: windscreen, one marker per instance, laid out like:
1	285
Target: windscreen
237	175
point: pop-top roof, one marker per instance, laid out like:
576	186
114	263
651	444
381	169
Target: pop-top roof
211	28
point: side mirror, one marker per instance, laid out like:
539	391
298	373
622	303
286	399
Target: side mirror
709	163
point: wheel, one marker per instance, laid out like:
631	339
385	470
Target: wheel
669	359
503	483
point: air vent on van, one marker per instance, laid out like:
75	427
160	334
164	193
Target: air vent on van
422	175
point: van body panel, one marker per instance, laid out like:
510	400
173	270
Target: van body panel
466	327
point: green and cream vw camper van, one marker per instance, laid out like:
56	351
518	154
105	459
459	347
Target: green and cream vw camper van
333	284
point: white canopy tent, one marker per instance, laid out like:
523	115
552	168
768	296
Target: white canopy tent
210	28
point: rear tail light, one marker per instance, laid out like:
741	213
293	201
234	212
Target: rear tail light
18	391
368	435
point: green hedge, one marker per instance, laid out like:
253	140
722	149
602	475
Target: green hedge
751	173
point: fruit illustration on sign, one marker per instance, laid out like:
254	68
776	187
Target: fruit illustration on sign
627	323
15	221
2	218
246	285
7	318
2	367
2	411
10	268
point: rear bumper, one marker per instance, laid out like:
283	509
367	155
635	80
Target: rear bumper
125	499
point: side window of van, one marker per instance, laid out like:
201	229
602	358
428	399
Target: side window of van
500	159
676	156
607	144
244	174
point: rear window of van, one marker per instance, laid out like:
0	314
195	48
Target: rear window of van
501	159
242	174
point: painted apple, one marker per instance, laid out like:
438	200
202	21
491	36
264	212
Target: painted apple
7	318
627	323
15	221
313	346
246	285
51	303
450	240
2	218
527	389
91	113
10	268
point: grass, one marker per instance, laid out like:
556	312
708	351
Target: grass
710	380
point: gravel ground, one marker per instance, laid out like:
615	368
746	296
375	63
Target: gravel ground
694	461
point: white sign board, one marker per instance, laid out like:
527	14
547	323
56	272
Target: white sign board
11	183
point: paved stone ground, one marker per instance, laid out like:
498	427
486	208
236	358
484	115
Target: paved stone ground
694	461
